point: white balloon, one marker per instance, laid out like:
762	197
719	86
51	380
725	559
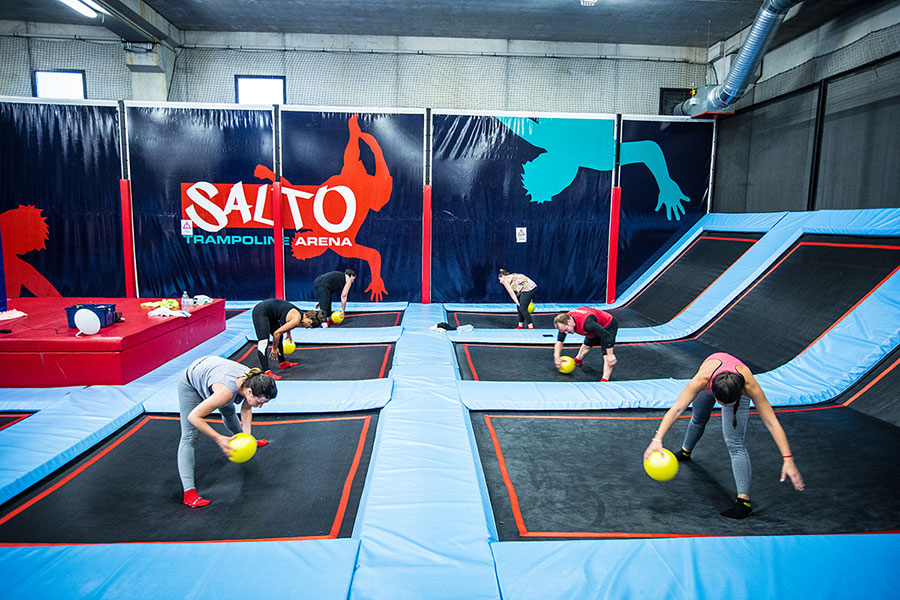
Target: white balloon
87	321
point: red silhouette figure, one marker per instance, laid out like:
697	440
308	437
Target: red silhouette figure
371	192
22	230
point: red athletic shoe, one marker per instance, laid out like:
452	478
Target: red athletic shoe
273	375
287	365
261	442
578	362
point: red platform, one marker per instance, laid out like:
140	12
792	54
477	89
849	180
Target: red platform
43	351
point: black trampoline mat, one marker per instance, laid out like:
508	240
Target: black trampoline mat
11	418
580	475
685	278
371	319
233	312
499	320
327	362
877	394
814	285
305	484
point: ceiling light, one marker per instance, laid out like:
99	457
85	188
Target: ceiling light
95	6
588	2
81	8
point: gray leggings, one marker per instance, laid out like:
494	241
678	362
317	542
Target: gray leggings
734	436
188	399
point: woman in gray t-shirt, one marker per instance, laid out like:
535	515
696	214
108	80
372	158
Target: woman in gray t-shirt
214	383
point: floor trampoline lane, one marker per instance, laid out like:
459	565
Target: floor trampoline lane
806	292
372	319
662	299
306	484
580	476
327	362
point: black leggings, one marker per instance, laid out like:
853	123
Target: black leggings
524	300
323	297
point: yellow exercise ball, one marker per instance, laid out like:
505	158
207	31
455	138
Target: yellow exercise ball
289	346
661	466
566	364
531	307
243	447
337	317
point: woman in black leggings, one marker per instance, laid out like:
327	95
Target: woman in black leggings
276	318
521	289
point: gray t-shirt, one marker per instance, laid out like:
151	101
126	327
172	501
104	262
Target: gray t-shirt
206	371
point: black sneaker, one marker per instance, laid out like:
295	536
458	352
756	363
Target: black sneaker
682	455
739	510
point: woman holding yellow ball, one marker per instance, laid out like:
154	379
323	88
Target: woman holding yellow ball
725	379
214	383
522	290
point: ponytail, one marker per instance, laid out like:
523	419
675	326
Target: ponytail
260	383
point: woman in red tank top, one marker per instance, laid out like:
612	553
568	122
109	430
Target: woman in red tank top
725	379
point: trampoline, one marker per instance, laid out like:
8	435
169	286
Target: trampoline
11	418
663	298
817	282
372	319
327	362
305	485
580	475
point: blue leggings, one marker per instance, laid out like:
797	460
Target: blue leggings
734	436
188	399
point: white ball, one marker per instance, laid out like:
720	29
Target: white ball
87	321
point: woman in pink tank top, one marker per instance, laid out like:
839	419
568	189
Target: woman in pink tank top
723	378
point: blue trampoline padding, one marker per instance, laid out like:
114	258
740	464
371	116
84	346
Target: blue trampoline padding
701	568
297	396
42	443
509	307
33	398
423	518
310	305
338	335
422	316
505	395
245	570
514	336
422	347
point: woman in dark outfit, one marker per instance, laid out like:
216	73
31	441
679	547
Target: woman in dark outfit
327	284
276	318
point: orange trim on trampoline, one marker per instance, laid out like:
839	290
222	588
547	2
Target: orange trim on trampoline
348	482
871	383
21	417
342	506
384	363
513	499
469	359
72	475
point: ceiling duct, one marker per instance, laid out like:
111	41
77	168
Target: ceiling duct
716	100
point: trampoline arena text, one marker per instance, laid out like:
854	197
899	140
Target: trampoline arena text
262	240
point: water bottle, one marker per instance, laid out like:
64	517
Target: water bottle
185	301
464	328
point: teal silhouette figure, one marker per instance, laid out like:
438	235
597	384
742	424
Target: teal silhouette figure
589	143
